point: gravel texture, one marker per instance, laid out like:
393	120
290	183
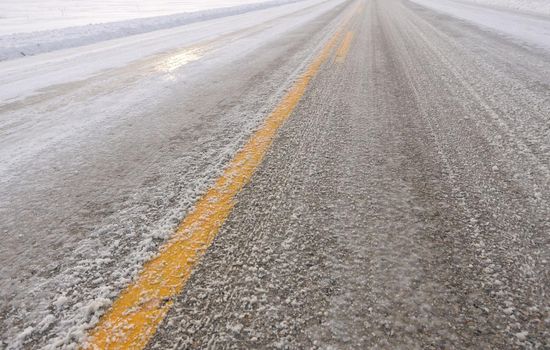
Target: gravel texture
405	204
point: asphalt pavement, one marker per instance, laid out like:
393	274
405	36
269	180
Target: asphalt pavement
405	203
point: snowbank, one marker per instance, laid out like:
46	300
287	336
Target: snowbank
25	16
520	27
24	44
540	7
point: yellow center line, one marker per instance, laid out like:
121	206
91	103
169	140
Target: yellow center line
342	52
137	312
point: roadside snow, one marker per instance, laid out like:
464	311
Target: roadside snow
540	7
519	26
30	75
39	15
20	40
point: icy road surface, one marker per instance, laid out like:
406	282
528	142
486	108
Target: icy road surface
404	204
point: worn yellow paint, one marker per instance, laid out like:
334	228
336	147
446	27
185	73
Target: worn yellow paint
343	50
136	313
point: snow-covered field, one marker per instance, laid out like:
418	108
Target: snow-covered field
17	16
523	28
541	7
52	31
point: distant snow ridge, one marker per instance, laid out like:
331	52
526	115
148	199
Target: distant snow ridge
540	7
27	44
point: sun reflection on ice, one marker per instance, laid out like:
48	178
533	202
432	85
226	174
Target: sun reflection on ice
177	60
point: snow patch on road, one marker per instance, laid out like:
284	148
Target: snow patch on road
18	45
60	304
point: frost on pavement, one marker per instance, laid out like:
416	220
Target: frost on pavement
402	205
121	160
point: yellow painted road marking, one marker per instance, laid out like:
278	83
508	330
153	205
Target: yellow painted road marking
342	52
135	315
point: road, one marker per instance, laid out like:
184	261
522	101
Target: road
404	203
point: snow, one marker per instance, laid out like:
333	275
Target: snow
541	7
522	27
38	15
20	340
72	64
23	40
121	85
